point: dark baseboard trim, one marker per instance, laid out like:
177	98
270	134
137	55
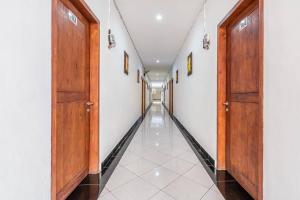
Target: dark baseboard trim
200	152
110	163
93	184
229	187
193	142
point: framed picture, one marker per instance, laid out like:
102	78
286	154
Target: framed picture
190	64
138	76
177	76
126	62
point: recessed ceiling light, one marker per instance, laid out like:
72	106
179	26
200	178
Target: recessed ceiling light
157	61
159	17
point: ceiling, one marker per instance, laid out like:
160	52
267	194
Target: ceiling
158	75
159	40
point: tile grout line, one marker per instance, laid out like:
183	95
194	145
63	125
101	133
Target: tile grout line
160	165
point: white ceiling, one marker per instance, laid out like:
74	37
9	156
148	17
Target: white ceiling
159	40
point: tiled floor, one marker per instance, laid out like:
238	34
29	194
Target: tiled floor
159	165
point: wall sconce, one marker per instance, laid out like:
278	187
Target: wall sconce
111	40
206	38
206	41
111	37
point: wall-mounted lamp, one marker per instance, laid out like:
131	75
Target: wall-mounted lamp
206	37
206	41
111	37
111	40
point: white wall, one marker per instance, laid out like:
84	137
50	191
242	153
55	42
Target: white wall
25	87
120	103
282	97
195	97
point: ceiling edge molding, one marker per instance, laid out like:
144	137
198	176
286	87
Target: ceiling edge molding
123	21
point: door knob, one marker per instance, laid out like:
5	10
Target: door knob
89	103
226	103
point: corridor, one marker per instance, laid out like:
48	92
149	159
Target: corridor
159	165
149	100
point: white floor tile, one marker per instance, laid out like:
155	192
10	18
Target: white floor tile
141	166
160	177
213	194
159	165
120	176
136	189
162	196
128	158
178	165
190	157
104	192
174	151
185	189
199	175
107	196
158	158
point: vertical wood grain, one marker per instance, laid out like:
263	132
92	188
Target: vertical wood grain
59	84
222	95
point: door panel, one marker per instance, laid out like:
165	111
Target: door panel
243	97
73	92
244	55
143	97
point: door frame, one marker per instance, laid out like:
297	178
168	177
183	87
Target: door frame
143	97
221	86
171	96
94	158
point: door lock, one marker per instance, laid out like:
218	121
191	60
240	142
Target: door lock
226	104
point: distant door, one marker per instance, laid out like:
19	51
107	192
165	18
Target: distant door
243	102
74	116
171	96
143	97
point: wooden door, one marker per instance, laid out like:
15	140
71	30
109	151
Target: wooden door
243	99
171	96
72	91
143	97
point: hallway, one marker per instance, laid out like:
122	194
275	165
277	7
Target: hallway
149	100
159	165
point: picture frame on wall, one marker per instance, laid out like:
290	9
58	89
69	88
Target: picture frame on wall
190	64
138	76
177	76
126	62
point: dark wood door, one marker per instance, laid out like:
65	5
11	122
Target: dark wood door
243	99
73	93
143	97
171	96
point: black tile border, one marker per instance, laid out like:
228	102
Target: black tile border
110	163
92	181
228	186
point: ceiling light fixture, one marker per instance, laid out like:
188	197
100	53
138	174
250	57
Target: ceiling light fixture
157	61
159	17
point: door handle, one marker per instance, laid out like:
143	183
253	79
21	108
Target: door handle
89	103
226	103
